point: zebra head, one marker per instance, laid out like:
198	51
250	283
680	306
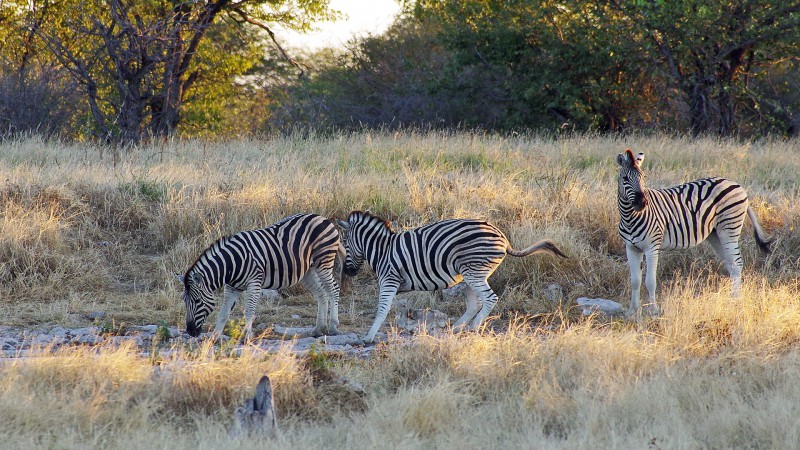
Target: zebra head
360	231
199	301
631	180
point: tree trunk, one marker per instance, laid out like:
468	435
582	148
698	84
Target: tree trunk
699	108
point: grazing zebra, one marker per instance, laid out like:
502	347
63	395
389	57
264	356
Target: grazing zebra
301	248
711	209
432	257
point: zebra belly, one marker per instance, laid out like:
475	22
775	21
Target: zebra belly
408	285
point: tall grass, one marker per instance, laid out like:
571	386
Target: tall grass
87	228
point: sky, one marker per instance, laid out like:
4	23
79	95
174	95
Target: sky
361	17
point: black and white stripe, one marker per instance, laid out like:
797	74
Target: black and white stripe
300	248
432	257
711	209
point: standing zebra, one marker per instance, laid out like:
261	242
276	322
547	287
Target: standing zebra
300	248
711	209
432	257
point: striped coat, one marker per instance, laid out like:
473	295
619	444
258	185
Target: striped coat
297	249
711	210
431	257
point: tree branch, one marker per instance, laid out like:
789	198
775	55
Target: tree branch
245	17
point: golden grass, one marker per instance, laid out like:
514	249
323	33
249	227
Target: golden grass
86	228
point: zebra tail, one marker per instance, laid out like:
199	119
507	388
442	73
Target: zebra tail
338	263
541	246
763	242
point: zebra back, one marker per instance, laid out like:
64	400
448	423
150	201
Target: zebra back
425	258
280	254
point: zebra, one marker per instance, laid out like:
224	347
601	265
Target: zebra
300	248
711	209
431	257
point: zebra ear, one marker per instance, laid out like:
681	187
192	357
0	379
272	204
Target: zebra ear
180	277
343	224
196	278
639	159
626	159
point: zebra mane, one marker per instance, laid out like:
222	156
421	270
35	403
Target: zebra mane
369	215
218	243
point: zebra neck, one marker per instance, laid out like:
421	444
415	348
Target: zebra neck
626	212
378	249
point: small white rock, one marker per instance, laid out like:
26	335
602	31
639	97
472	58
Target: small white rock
601	305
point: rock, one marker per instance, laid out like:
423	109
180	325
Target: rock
600	305
78	332
295	316
151	329
119	340
304	343
419	320
455	293
554	293
340	339
87	339
59	332
42	340
8	344
260	327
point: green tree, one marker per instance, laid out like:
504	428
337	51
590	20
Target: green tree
138	61
709	49
539	63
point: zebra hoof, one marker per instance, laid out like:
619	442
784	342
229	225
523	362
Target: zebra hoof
633	314
317	332
652	310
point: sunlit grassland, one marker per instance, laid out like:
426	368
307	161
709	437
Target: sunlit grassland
86	228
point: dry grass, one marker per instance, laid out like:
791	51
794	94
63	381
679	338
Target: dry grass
83	228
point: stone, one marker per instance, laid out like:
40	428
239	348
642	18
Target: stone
151	329
600	305
59	332
419	320
304	343
87	339
340	339
457	292
119	340
8	343
83	331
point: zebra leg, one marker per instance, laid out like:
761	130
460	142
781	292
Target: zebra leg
312	283
388	291
331	289
229	297
730	254
651	262
488	297
253	296
473	305
635	265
